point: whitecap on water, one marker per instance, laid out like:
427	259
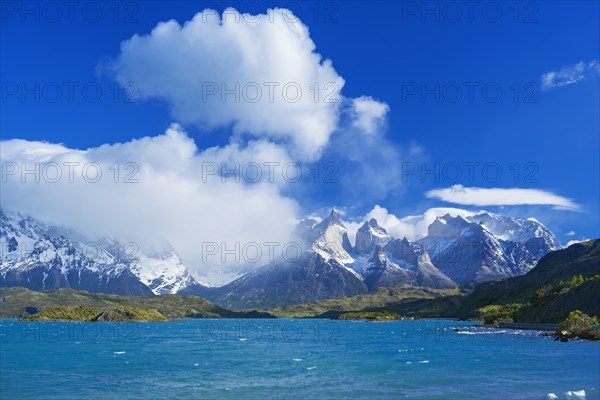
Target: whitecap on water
296	359
424	362
313	367
118	352
576	394
195	365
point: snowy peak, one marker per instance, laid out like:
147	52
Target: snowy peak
403	262
403	250
41	257
370	235
164	273
516	229
331	239
449	227
334	219
486	246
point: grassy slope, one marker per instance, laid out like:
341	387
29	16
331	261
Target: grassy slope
578	259
384	297
64	313
88	314
17	302
585	298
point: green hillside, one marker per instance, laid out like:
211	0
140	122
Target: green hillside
579	260
88	314
20	302
382	298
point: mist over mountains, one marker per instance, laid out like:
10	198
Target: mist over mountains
456	251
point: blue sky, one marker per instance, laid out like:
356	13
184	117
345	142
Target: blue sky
389	51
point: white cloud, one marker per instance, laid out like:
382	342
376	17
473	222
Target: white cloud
262	54
570	242
570	74
359	154
412	227
476	196
175	63
368	114
171	200
570	233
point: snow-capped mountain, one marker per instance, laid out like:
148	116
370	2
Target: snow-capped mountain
530	234
456	251
369	236
163	273
486	246
515	229
33	257
329	238
40	257
383	260
331	267
321	271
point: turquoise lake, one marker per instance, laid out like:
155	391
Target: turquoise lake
290	359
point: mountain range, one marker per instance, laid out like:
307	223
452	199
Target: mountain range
456	251
39	257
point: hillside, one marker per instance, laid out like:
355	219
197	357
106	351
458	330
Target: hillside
87	314
563	281
20	302
383	298
562	265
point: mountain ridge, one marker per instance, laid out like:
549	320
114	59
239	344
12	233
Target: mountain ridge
329	265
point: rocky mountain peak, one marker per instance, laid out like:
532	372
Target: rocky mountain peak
370	235
448	226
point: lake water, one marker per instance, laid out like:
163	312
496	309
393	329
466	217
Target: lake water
289	359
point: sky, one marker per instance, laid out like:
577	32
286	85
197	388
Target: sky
386	109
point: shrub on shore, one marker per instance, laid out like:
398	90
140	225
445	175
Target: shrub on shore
579	325
494	313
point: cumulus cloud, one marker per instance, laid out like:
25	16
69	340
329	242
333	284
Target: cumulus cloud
412	227
368	163
259	74
476	196
368	113
195	68
570	74
163	190
570	233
